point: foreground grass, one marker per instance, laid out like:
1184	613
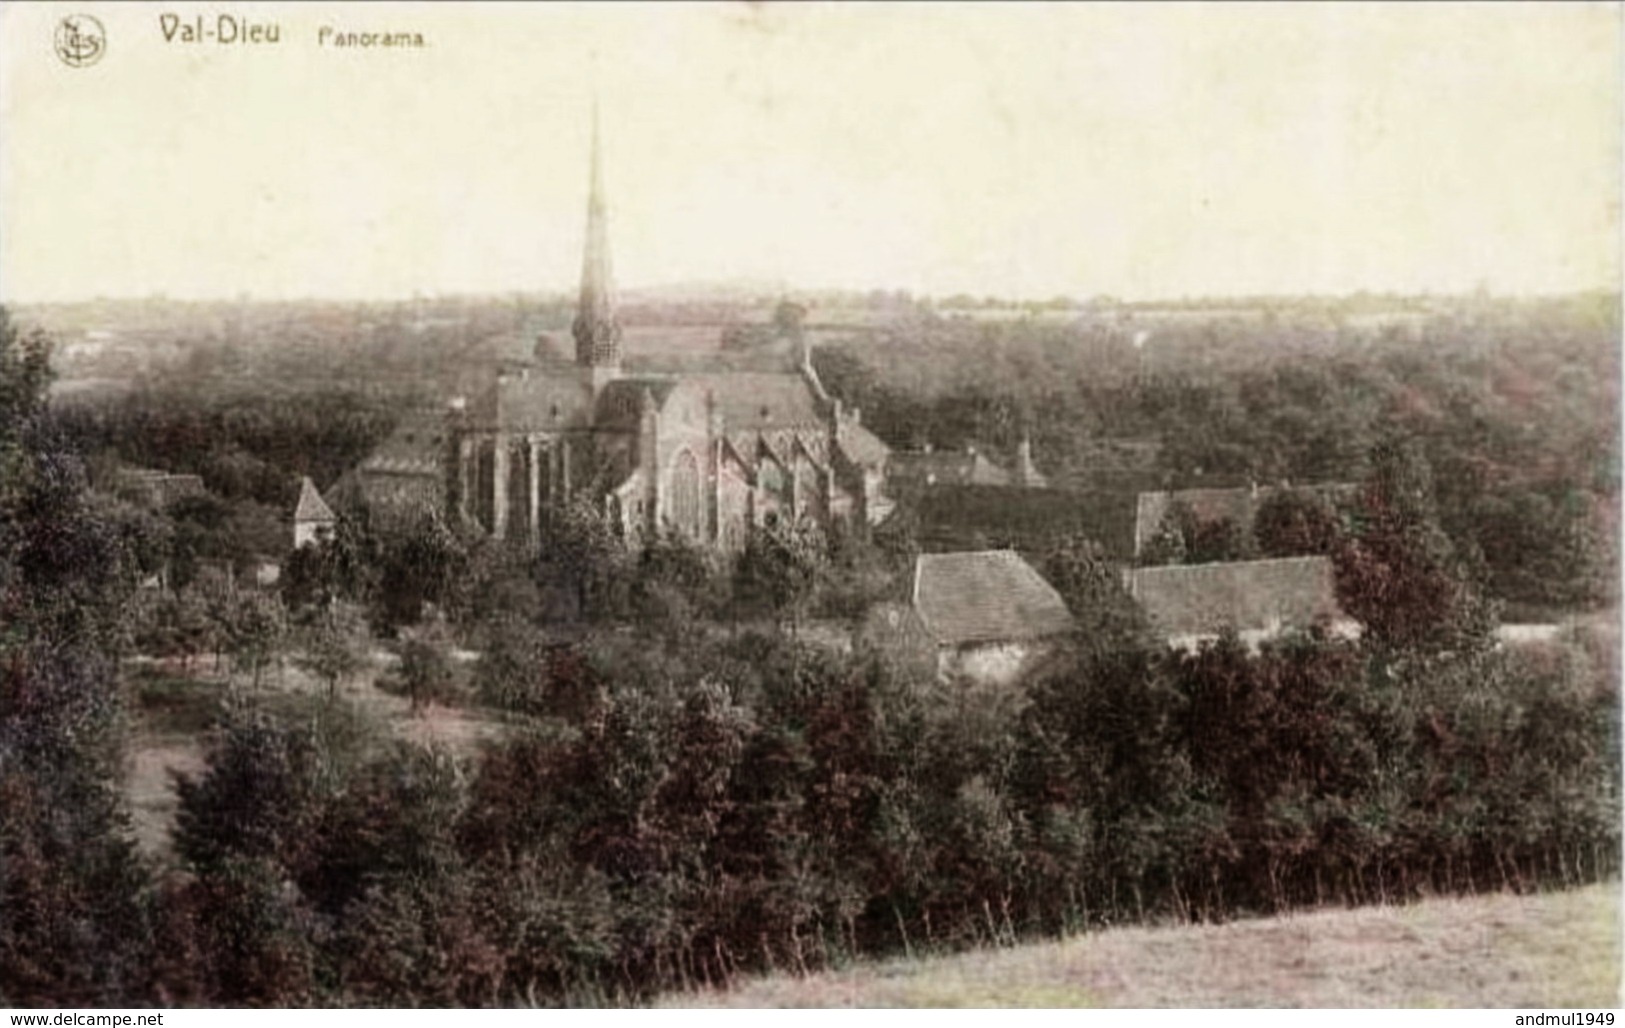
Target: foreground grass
1558	949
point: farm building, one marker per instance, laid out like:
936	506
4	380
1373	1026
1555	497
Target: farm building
313	519
986	616
1189	604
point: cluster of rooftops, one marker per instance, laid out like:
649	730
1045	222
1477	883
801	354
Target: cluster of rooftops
969	598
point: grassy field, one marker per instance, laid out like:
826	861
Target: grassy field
1551	950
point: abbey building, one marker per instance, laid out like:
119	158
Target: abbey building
707	454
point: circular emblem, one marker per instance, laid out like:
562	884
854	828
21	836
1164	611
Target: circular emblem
80	40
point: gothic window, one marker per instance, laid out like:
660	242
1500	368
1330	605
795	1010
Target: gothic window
485	487
687	510
773	481
809	496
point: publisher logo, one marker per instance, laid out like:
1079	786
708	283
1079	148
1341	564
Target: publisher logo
80	40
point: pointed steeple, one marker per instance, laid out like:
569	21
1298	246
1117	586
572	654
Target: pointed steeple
597	332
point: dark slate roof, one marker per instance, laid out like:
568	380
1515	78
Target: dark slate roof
861	446
620	404
157	488
947	467
976	516
311	506
416	447
760	399
1254	595
1239	506
990	596
544	398
692	359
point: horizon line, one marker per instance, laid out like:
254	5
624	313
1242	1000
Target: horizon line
755	293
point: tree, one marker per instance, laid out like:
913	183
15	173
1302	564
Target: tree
201	533
1106	615
259	796
1167	546
255	630
1295	523
1547	551
336	645
344	565
776	573
581	551
674	581
72	929
426	670
430	563
413	930
1216	540
238	934
1399	574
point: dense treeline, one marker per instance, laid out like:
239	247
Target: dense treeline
750	804
73	917
1515	406
248	446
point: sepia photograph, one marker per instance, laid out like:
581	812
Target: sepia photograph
810	505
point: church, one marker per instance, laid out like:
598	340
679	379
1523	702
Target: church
705	454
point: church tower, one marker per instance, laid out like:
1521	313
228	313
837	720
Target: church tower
597	332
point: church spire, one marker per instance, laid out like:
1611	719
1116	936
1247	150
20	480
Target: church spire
597	332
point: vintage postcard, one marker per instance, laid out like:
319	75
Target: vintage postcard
810	504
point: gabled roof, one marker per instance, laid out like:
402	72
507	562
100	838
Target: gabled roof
975	516
986	596
416	447
815	446
1254	595
746	463
311	506
157	488
540	398
772	445
946	467
860	446
760	399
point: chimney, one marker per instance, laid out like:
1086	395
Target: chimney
1026	472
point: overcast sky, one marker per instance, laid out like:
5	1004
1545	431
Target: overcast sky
1141	151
